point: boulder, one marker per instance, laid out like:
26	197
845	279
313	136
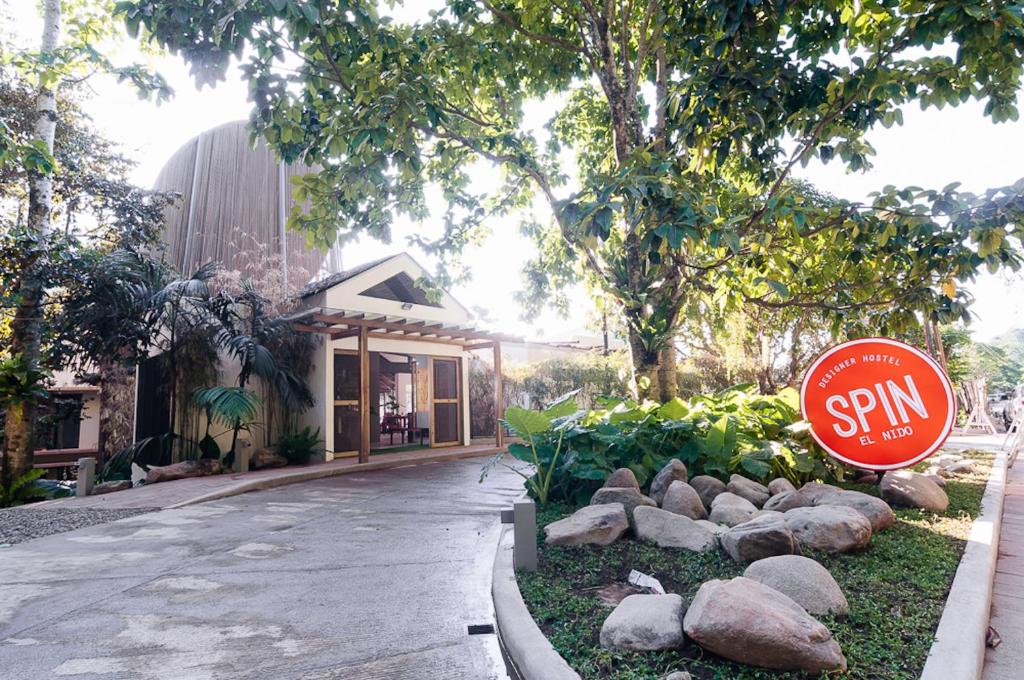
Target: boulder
759	538
959	468
938	479
592	524
669	530
914	490
780	485
747	488
645	623
112	486
748	622
682	499
730	510
812	490
707	488
629	498
622	478
802	580
787	500
767	513
832	528
947	459
716	529
266	458
874	508
187	468
674	471
678	675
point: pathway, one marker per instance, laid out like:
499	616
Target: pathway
370	575
1006	661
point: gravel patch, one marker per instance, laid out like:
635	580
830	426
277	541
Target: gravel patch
23	524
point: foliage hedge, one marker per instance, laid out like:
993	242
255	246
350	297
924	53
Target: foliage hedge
734	430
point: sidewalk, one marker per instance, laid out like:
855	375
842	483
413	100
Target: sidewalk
183	492
1007	617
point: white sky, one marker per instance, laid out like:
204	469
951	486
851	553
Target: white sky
930	150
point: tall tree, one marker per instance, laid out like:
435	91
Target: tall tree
685	121
76	56
26	327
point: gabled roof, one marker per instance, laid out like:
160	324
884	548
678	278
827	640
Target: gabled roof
319	286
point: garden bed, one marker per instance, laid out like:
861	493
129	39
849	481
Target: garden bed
896	588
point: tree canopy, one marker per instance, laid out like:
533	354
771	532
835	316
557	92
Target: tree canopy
667	161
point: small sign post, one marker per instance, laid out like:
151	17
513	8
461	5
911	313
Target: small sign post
878	404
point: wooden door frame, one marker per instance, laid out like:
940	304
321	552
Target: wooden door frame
342	402
457	401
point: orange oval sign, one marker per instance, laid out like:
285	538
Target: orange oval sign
877	403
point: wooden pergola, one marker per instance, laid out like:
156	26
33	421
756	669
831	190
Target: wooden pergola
340	323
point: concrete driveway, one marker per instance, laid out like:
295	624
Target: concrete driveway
369	576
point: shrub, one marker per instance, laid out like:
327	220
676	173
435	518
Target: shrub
22	489
299	447
735	430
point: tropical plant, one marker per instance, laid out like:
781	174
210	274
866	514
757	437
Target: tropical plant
299	447
543	432
22	489
736	430
233	407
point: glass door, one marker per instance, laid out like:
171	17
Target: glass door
446	411
346	403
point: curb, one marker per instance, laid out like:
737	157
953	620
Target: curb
526	648
314	473
959	647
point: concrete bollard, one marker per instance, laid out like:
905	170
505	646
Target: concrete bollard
86	476
523	518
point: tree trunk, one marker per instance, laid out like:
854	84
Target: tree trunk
668	380
646	376
26	326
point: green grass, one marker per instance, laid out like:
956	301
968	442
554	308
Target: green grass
896	589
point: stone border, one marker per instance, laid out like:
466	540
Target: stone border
959	647
525	646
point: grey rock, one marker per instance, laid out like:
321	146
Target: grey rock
707	488
682	499
758	538
832	528
947	459
678	675
938	479
914	490
629	498
716	529
748	622
803	580
730	510
183	470
674	471
592	524
622	478
787	500
874	508
780	485
669	530
645	623
812	490
266	458
960	467
112	486
753	491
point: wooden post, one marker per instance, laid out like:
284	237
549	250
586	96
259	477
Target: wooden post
499	400
364	394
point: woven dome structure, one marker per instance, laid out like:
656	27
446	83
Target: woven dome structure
234	207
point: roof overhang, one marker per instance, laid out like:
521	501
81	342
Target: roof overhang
341	323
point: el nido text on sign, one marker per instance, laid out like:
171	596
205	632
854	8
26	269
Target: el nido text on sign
877	403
